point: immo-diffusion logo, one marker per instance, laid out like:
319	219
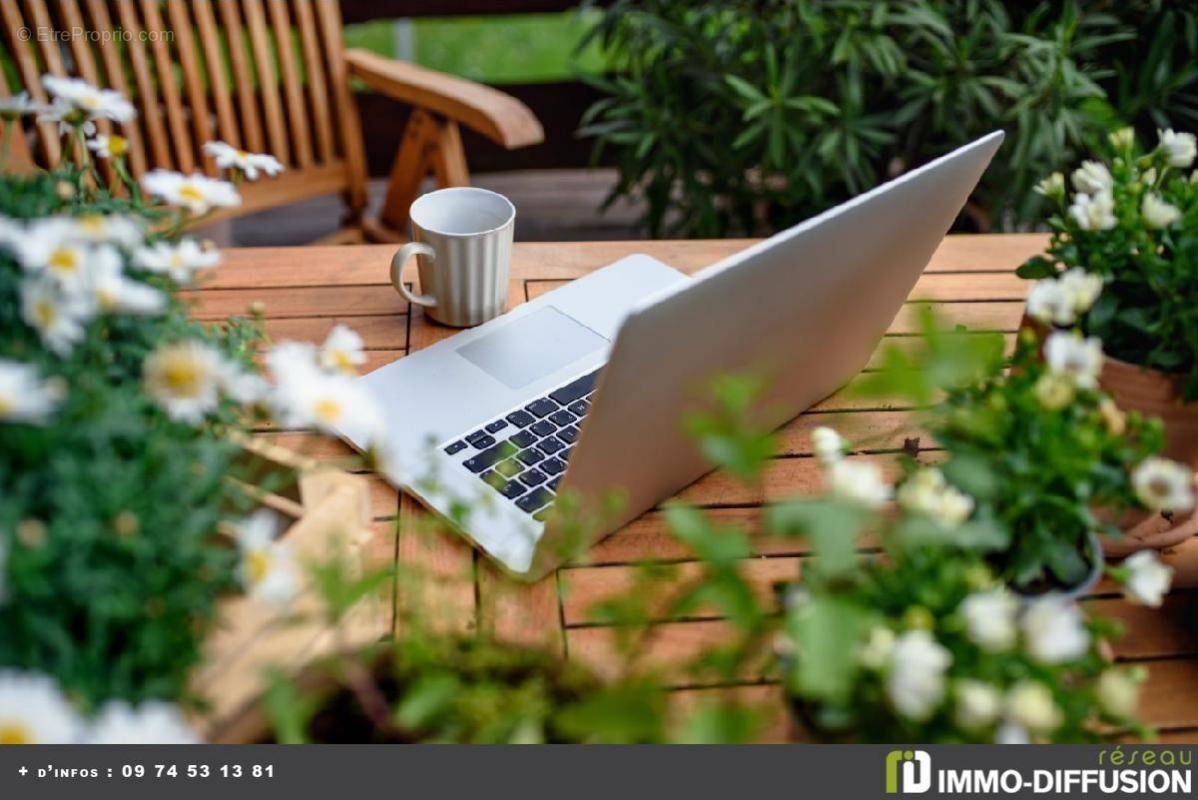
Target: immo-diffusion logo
908	771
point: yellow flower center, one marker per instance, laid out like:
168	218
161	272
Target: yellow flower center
242	154
257	565
15	732
177	261
44	313
117	145
183	377
106	298
327	410
64	259
190	193
341	359
92	224
1160	487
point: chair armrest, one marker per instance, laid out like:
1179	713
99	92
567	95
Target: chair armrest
496	115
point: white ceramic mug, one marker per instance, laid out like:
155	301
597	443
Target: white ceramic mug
462	240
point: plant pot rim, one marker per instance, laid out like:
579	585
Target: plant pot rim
1082	587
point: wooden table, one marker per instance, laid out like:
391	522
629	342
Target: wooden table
306	291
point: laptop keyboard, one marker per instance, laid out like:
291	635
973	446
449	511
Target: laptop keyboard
522	455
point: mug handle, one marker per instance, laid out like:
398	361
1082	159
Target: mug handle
397	264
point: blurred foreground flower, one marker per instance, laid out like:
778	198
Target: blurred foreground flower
1054	630
24	397
34	711
1147	579
267	569
198	193
149	723
1164	485
227	156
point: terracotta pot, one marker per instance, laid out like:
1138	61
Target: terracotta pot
1153	394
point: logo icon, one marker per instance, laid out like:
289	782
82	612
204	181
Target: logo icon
915	777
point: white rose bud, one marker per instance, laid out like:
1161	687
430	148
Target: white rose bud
1030	704
990	619
1147	578
1157	213
1180	148
978	704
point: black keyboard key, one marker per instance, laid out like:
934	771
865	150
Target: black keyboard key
562	417
510	468
575	389
497	425
531	457
553	483
551	445
495	480
455	447
579	407
486	441
520	418
478	434
490	457
553	466
523	439
534	477
534	500
513	490
568	435
541	408
543	428
565	454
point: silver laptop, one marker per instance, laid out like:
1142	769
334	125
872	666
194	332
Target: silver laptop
582	393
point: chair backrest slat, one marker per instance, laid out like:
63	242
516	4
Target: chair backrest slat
218	79
12	137
267	76
317	90
268	85
185	156
193	78
297	115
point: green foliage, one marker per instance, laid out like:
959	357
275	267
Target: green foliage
109	509
1148	310
745	116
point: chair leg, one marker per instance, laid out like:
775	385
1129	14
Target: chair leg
430	145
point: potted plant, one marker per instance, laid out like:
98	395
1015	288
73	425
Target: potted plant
925	643
1120	267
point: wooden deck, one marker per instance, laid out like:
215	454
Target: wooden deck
308	290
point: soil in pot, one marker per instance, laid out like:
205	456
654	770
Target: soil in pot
1048	583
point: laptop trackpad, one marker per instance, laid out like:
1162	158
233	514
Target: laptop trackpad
531	347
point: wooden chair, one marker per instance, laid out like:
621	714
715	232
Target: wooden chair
267	76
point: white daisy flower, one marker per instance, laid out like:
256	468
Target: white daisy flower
179	260
915	683
114	292
928	493
1074	357
196	192
978	704
1081	288
1054	630
24	396
990	619
58	317
1048	302
829	446
50	245
11	232
229	157
34	711
342	351
92	101
859	482
1163	485
1147	578
152	722
1119	692
1030	705
1052	186
1157	213
108	146
118	229
330	403
1179	148
1094	212
1092	177
18	106
185	378
268	570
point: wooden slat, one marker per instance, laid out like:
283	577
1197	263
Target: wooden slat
193	76
314	67
328	19
31	77
147	92
114	71
514	612
12	137
243	77
268	84
176	116
297	117
218	79
39	17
